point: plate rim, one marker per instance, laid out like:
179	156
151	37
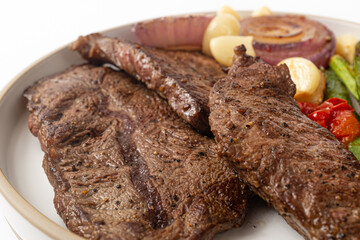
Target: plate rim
18	202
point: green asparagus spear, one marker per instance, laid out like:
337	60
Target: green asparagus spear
351	79
357	59
354	147
334	87
342	68
356	67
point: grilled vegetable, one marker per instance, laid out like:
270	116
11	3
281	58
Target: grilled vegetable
263	11
334	87
356	62
279	37
356	67
184	32
309	80
229	10
336	115
354	147
223	24
342	68
222	48
345	46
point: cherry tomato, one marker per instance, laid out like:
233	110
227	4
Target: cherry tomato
336	115
307	108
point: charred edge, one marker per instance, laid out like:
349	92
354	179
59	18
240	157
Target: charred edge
99	50
88	48
139	172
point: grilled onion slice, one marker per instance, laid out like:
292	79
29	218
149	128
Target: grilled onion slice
184	32
279	37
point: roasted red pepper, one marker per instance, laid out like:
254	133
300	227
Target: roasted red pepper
336	115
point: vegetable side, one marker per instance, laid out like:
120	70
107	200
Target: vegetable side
304	45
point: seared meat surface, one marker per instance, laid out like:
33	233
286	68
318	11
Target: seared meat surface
292	162
124	166
183	78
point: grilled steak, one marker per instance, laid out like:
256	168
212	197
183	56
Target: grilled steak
124	166
290	161
183	78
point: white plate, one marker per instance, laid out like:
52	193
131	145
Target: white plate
26	192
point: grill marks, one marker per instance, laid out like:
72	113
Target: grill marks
123	165
139	172
140	175
75	133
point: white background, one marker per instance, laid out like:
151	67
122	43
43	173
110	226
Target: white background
31	29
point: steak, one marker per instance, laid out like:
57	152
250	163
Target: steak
123	165
183	78
292	162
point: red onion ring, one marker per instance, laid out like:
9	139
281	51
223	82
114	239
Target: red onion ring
184	32
279	37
